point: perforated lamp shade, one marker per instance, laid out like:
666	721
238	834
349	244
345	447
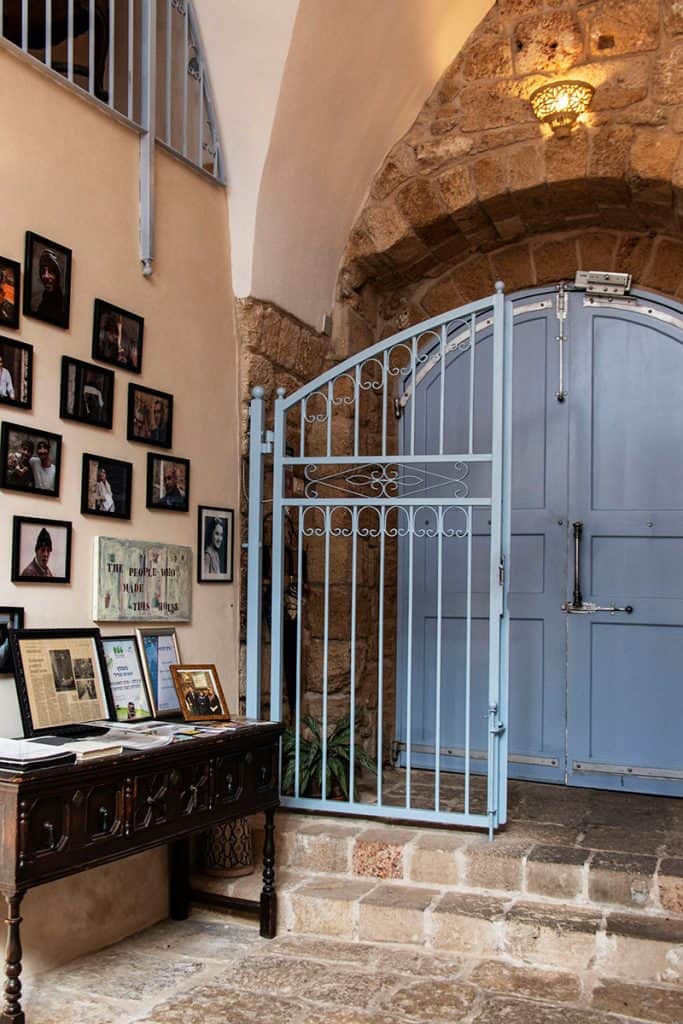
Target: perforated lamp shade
560	104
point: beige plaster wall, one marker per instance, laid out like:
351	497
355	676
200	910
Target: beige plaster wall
71	174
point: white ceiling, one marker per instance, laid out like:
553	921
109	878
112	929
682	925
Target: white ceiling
310	96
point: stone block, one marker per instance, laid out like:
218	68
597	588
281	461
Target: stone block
475	279
530	982
648	1002
670	885
442	296
633	253
433	153
395	913
550	42
468	923
624	26
432	1002
567	159
380	852
491	174
513	267
324	847
506	1010
423	207
433	858
611	151
644	947
627	83
667	82
526	167
497	865
556	871
664	270
621	878
386	226
673	18
396	169
596	251
328	908
653	153
487	56
555	260
497	104
555	936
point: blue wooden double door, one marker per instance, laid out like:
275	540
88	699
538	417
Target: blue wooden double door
595	696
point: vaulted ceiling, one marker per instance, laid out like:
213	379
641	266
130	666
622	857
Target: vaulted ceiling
310	95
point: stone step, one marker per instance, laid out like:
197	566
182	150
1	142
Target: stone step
627	945
531	860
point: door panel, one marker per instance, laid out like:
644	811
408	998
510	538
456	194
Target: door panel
625	695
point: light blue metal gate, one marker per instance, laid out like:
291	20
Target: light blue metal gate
348	489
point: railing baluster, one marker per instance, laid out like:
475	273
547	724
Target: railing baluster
131	57
473	346
169	67
385	398
409	666
326	645
356	409
91	47
442	388
112	53
413	403
295	712
48	33
439	623
24	25
200	128
330	406
255	549
186	50
468	661
352	699
383	515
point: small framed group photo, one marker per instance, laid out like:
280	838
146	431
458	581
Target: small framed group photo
61	678
117	336
150	416
41	550
87	393
10	618
214	544
30	459
199	693
127	679
16	373
10	278
168	482
106	487
159	651
47	280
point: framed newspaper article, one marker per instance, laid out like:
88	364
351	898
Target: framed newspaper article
61	678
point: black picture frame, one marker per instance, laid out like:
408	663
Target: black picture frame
215	562
86	393
10	292
150	416
10	618
21	467
50	306
17	361
27	533
110	497
168	482
69	671
127	680
117	336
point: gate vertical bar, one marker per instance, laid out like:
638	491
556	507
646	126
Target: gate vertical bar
148	120
277	558
503	741
495	580
255	554
112	52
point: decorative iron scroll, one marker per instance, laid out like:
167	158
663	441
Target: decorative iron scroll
387	481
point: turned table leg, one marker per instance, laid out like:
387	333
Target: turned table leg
12	1011
178	880
268	913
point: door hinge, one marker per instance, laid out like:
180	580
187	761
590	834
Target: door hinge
501	572
267	443
602	282
398	408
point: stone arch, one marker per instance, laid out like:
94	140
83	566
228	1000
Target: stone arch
478	190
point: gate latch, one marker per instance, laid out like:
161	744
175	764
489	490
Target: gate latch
496	727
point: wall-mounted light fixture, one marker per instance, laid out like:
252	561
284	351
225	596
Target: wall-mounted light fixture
560	104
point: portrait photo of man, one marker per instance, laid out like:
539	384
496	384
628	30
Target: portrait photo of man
150	416
41	550
16	363
47	284
38	566
117	336
168	482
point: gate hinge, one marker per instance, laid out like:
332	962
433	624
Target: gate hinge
599	282
501	572
398	408
267	443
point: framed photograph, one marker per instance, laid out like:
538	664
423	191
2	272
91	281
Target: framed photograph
126	678
141	581
10	280
214	544
61	678
159	649
30	459
87	393
117	336
41	550
106	487
16	373
150	416
10	618
47	280
199	693
168	482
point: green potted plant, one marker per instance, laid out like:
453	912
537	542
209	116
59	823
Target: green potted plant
311	758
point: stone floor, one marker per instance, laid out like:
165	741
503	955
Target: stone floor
209	971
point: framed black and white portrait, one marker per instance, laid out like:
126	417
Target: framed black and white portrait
30	460
168	482
106	487
16	373
10	618
47	280
117	336
150	416
214	544
10	278
87	393
41	550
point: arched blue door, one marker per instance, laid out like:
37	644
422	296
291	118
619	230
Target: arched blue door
596	696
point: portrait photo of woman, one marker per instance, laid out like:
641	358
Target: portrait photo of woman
214	544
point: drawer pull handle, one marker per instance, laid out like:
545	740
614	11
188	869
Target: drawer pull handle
159	795
104	819
50	829
230	783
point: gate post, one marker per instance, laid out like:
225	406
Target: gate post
257	450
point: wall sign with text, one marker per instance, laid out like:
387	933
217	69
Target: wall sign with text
143	581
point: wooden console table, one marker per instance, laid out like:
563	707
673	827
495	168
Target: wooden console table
57	822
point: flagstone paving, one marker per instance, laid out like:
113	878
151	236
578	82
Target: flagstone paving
208	970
